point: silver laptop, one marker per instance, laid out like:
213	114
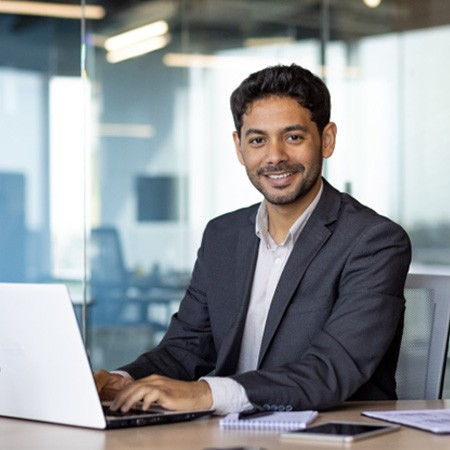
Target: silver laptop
44	370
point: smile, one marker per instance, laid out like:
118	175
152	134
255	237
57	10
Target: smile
280	176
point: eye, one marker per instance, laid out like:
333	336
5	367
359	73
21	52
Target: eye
295	137
256	141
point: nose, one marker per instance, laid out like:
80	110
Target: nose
276	152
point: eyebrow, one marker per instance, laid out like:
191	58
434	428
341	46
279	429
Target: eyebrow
296	127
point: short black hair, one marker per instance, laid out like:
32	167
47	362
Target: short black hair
283	81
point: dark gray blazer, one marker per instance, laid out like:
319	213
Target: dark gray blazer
334	326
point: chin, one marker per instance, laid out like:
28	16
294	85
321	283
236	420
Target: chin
281	200
286	198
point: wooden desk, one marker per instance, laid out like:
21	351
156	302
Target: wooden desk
205	433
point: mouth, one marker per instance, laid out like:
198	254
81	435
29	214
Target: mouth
279	176
280	180
282	175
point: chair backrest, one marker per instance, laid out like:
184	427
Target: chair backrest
106	259
108	278
423	352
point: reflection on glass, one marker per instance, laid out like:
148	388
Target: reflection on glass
160	162
66	162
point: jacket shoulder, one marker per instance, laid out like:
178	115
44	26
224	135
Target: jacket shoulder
335	204
235	218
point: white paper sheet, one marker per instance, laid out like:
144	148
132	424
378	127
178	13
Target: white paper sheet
433	420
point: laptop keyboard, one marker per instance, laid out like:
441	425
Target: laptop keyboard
132	412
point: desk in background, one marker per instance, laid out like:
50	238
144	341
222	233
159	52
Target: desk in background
205	433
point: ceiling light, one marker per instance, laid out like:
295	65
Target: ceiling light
192	60
131	130
136	35
212	61
372	3
262	42
139	49
60	10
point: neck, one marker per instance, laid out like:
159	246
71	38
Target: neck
282	217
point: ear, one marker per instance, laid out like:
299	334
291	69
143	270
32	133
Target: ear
328	139
237	146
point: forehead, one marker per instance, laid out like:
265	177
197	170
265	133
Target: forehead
274	109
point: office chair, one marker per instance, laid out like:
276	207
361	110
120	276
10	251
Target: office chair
109	278
119	299
423	352
118	324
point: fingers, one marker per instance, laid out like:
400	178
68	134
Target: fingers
101	378
135	393
109	384
168	393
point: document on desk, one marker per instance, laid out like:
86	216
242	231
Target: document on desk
433	420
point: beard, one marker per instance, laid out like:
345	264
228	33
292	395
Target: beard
277	195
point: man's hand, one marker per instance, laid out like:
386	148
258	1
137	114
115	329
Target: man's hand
168	393
110	384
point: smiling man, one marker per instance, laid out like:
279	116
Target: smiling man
285	295
282	151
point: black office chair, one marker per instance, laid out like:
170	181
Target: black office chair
118	297
108	278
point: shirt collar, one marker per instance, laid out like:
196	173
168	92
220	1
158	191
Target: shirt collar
262	221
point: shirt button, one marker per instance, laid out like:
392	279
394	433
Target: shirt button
278	260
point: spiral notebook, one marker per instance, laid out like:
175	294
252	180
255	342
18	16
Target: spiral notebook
279	420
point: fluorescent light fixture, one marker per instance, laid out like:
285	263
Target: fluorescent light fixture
130	130
372	3
139	49
199	60
136	35
137	42
60	10
261	42
212	61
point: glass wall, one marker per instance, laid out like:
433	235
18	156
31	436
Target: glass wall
113	157
39	139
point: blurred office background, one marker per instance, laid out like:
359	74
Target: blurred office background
113	156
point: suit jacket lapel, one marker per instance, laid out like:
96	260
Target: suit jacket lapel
246	255
311	239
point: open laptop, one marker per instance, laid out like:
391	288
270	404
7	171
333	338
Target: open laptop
44	369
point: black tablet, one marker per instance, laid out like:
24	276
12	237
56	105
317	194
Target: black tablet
339	431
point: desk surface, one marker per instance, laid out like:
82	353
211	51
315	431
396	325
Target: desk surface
205	433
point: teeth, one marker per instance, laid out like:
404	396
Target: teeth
278	177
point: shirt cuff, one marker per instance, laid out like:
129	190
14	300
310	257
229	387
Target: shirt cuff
228	395
121	372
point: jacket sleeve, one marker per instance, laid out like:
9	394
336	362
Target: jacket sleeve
187	350
357	347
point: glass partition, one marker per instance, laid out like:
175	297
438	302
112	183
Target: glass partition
41	176
115	153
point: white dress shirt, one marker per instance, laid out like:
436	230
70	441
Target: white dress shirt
228	395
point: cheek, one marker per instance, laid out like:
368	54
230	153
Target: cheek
313	159
240	156
249	160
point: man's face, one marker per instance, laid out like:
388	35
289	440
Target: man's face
282	150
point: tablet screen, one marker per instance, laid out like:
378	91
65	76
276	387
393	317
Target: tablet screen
340	431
